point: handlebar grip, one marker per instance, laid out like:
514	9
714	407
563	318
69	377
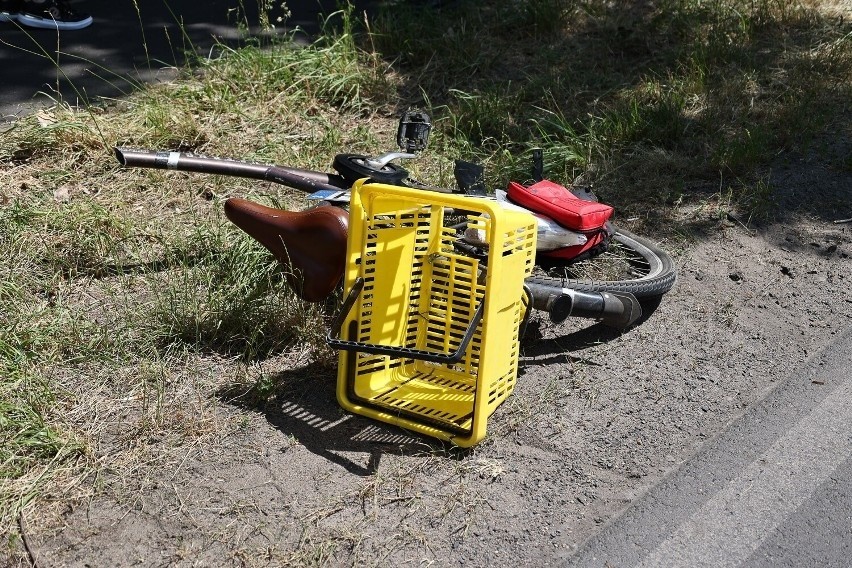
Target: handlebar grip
614	309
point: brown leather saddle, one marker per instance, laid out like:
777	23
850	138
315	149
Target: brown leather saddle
310	244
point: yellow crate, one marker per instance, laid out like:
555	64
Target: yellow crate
429	335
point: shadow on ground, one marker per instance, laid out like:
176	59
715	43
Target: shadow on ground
302	404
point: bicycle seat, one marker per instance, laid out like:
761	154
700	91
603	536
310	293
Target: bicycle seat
310	244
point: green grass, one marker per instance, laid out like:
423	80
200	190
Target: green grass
111	268
137	269
644	100
36	332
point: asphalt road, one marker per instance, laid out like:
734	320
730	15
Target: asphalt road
774	489
123	47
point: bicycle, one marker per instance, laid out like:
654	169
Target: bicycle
313	242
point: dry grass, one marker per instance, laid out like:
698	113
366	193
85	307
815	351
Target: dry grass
121	287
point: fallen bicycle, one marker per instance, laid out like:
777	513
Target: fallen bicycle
437	283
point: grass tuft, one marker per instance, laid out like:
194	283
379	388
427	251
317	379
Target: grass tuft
232	298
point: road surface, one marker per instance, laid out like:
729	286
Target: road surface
774	489
123	47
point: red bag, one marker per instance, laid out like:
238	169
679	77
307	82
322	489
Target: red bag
556	202
597	243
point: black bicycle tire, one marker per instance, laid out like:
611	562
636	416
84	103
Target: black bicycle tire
348	166
660	279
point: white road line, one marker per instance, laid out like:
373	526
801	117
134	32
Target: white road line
730	526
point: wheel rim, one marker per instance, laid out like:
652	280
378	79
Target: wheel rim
621	261
634	265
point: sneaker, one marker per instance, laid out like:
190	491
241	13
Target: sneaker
9	10
52	15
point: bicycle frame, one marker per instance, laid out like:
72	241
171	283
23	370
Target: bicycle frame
615	308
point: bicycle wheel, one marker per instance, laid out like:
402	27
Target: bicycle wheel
354	167
632	264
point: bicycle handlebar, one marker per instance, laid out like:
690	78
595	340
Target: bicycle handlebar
303	180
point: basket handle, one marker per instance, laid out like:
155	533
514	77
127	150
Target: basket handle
334	341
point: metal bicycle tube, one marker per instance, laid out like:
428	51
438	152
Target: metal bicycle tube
614	309
303	180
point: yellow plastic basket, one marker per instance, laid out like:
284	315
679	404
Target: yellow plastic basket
428	334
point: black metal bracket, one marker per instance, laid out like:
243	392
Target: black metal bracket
412	134
333	338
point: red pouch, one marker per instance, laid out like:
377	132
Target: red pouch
556	202
597	243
